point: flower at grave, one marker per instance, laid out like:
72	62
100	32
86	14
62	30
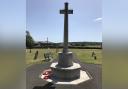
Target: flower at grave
47	73
46	77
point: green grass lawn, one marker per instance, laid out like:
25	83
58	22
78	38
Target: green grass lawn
83	55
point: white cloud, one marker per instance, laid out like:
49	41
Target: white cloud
98	20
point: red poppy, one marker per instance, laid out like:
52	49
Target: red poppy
46	77
47	74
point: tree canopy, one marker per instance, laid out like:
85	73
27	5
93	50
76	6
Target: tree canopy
29	40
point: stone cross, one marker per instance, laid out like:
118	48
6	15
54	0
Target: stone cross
66	11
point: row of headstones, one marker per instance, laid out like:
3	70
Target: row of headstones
48	56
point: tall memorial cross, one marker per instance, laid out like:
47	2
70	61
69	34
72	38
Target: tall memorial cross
65	57
66	11
65	71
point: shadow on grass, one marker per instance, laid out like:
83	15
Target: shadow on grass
47	86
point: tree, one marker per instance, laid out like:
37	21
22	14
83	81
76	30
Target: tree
29	41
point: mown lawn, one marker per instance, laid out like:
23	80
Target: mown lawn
83	55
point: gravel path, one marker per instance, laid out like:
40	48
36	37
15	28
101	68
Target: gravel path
34	82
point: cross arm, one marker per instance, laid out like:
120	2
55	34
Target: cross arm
63	11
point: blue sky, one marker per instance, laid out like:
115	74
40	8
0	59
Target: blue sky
85	24
12	21
43	20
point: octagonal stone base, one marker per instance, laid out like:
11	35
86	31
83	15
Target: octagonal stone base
70	75
84	77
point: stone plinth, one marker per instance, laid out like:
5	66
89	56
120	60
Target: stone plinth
84	77
65	71
68	73
65	59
